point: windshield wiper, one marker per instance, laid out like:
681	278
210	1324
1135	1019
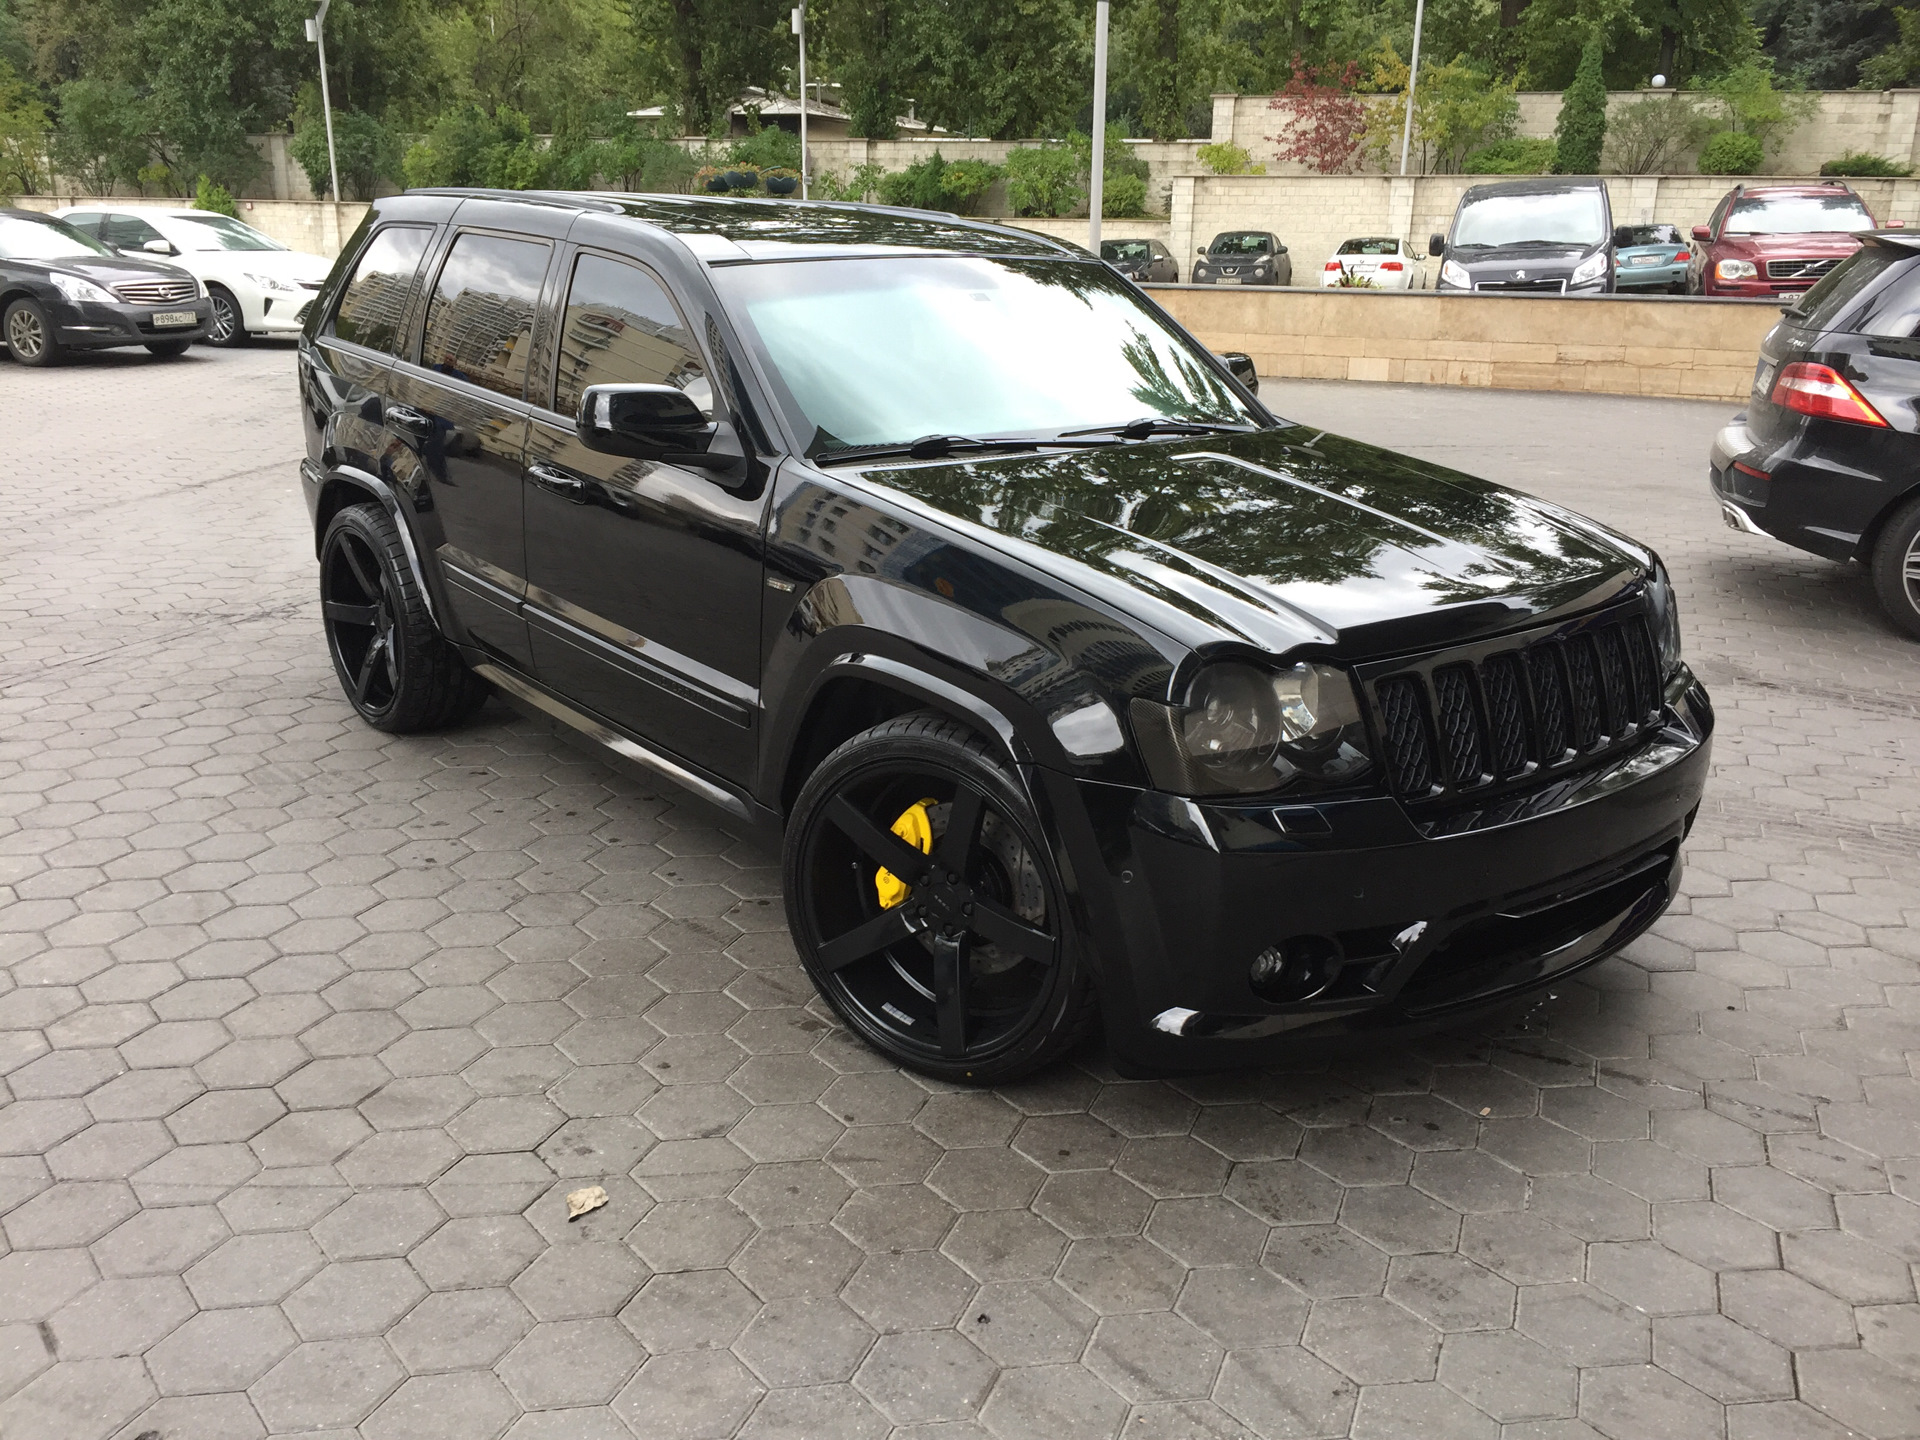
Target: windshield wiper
1149	425
934	447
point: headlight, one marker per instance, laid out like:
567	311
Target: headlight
77	289
1245	730
1736	270
269	282
1455	274
1666	620
1589	269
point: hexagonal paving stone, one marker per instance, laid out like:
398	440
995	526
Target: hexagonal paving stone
570	1362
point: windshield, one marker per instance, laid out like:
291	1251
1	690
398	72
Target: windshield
1240	245
1650	235
1370	246
1798	215
1544	217
885	351
227	234
48	239
1126	250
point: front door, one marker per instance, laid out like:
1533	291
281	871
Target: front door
462	412
643	599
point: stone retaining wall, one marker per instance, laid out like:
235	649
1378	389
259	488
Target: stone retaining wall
1615	345
310	225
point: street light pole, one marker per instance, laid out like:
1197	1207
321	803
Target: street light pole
1097	179
316	32
1413	79
800	29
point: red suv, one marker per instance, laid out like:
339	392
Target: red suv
1774	241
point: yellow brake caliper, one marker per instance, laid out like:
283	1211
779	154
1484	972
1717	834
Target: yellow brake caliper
916	829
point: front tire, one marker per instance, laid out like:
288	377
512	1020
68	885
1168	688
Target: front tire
399	673
30	334
961	962
1896	567
167	349
228	327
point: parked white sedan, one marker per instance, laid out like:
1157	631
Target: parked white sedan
257	285
1378	262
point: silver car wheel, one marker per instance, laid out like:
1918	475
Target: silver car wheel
226	318
26	337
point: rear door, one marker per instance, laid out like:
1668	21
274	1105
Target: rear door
459	406
644	578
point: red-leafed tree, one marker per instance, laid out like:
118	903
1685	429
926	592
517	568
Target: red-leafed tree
1327	119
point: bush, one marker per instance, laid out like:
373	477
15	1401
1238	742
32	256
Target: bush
1123	195
864	181
213	196
965	181
918	187
769	148
1516	156
470	147
1226	158
1859	162
368	152
1650	136
1047	181
1732	153
1581	133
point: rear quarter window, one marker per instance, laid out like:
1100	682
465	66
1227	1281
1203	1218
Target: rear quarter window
1828	305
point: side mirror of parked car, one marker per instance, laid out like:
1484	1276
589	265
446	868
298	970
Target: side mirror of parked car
1621	236
1703	233
654	422
1243	369
1201	252
159	247
1896	225
1279	249
1436	245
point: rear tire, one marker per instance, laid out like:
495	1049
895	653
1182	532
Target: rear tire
30	334
399	673
1896	567
973	973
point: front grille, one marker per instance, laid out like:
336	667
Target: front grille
1808	270
1453	725
1524	287
157	292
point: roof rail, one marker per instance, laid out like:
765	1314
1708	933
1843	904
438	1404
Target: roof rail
568	199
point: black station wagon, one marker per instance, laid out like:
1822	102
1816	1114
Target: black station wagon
1084	689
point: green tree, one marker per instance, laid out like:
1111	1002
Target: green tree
1751	101
1581	133
1650	135
367	150
1458	108
1162	105
101	135
23	129
700	54
211	195
1826	44
1008	69
1899	63
872	48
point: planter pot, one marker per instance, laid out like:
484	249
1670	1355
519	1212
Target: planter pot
742	179
718	184
782	184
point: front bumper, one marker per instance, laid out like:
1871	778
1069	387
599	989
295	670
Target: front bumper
1427	931
95	325
1245	277
278	313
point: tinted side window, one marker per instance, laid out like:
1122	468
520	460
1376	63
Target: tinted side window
1827	302
621	329
1894	309
127	232
374	304
480	320
86	222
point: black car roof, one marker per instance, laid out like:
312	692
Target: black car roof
765	229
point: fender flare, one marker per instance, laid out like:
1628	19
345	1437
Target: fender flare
379	490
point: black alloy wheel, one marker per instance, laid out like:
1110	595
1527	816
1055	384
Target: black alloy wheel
1896	568
30	336
958	960
398	672
228	328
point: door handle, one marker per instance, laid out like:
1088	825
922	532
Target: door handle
405	417
558	482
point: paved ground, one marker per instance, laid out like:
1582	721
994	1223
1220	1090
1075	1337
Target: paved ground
307	1031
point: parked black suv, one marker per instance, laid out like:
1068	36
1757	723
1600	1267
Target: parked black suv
1826	455
1080	684
61	291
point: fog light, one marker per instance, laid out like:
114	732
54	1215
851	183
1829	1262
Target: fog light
1296	969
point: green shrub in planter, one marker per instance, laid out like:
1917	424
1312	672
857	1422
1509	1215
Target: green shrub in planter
1732	153
1859	162
1517	156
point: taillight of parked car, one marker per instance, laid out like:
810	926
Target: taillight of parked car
1393	265
1823	391
1682	257
1333	267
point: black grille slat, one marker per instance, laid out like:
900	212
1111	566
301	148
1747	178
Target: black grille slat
1506	714
1409	756
1586	707
1646	672
1458	725
1549	702
1616	679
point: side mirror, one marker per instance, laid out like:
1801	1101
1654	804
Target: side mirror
1621	237
1896	225
159	247
1279	249
1703	233
1201	252
1436	245
1243	369
654	422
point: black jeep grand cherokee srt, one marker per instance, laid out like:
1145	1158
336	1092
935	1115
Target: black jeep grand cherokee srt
1082	686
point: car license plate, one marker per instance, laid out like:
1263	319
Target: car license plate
1787	297
175	317
1229	279
1643	260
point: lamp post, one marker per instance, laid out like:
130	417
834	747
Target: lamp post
316	33
1413	79
800	29
1096	183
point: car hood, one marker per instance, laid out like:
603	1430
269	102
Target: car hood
281	264
108	270
1534	259
1814	243
1286	537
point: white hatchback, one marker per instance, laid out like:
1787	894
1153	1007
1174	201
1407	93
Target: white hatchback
257	285
1376	262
